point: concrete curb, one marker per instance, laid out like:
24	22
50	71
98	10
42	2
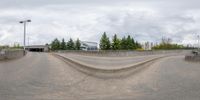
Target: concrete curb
127	53
108	70
193	58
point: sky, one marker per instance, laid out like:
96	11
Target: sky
145	20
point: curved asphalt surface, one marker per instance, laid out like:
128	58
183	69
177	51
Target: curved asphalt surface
108	62
41	76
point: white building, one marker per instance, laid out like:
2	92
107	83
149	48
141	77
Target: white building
89	46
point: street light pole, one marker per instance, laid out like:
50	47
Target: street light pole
24	36
28	41
24	22
198	37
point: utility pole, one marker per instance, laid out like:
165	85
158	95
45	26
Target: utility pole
24	22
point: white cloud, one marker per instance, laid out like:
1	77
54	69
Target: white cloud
145	20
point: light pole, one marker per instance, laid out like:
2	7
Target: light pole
28	40
198	37
24	22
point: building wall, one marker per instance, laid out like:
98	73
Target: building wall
39	48
89	46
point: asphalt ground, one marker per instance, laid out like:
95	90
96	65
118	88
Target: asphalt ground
41	76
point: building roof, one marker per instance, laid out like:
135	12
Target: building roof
87	43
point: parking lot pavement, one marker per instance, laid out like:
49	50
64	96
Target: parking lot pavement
41	76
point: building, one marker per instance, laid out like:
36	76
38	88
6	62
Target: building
38	48
89	46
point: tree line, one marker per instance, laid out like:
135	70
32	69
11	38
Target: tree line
116	43
63	45
126	43
166	44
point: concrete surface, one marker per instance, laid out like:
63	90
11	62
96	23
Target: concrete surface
122	53
11	54
108	63
41	76
107	72
191	57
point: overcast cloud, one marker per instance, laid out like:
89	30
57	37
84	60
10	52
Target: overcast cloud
146	20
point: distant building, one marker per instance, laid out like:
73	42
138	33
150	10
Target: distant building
38	48
89	46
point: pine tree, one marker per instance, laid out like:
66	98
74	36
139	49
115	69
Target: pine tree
78	45
138	45
70	44
104	42
134	44
55	45
129	43
123	44
63	45
115	43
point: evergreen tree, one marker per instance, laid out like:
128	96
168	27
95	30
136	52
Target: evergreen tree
129	43
104	42
63	45
115	43
70	44
138	45
123	43
78	45
55	45
134	44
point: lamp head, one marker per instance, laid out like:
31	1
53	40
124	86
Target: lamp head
28	20
21	22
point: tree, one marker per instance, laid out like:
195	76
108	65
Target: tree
17	46
63	45
134	44
138	45
166	40
104	42
129	43
55	45
123	43
115	43
70	44
78	45
166	44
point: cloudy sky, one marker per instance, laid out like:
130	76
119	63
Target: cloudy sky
146	20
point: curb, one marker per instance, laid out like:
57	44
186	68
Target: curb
192	58
106	70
